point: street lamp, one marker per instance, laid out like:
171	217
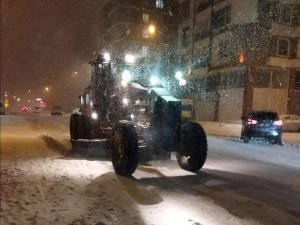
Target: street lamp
47	89
152	29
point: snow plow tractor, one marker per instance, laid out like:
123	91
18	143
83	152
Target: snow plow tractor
137	121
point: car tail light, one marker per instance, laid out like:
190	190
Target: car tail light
251	122
278	122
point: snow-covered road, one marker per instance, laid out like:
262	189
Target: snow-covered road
42	183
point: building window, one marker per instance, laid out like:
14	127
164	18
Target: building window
289	14
145	50
184	9
221	17
203	5
159	4
145	33
266	78
223	49
185	37
279	79
233	79
297	80
202	30
200	61
213	82
283	47
145	17
224	81
237	79
263	78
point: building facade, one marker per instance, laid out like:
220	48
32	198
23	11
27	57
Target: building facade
241	55
124	26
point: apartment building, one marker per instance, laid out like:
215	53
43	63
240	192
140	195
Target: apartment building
241	55
124	26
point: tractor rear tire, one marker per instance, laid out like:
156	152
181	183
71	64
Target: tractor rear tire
192	153
124	148
74	127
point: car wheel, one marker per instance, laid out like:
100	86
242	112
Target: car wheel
192	153
246	139
275	140
124	148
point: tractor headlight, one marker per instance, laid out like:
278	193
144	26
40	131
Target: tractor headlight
125	101
94	115
154	81
106	57
132	116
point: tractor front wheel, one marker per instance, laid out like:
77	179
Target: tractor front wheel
192	153
124	148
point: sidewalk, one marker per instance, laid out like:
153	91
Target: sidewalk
234	130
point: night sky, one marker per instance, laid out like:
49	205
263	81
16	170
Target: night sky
43	42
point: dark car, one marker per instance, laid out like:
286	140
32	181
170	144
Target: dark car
262	124
1	109
56	111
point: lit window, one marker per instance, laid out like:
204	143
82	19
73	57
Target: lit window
159	4
283	47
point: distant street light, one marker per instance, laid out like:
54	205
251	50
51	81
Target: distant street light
152	29
47	89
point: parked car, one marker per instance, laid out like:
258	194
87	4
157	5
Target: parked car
262	124
56	111
290	123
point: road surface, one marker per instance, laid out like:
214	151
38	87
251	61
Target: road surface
44	182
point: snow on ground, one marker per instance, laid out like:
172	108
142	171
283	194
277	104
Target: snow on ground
43	182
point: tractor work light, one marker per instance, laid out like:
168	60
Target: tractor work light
182	82
125	101
130	59
106	57
154	81
94	115
178	75
132	116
